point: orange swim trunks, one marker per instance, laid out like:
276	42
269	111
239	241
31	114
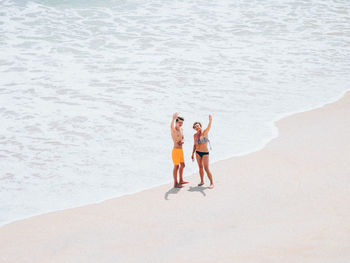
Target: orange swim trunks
178	156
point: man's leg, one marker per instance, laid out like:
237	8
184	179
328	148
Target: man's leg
181	170
176	168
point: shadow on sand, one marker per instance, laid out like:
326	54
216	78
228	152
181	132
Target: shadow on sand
198	189
172	191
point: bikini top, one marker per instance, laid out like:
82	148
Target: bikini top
201	141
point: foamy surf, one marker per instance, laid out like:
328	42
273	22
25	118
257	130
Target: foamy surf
88	89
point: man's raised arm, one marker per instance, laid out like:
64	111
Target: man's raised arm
172	122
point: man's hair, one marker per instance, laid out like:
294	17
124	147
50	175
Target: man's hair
179	119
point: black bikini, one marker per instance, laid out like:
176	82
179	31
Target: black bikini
202	153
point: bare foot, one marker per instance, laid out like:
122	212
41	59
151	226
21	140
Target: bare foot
183	182
178	186
211	186
200	184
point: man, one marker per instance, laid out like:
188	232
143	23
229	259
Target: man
178	154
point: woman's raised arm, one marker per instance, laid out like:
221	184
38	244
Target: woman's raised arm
209	124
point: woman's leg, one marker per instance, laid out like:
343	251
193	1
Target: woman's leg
205	159
200	166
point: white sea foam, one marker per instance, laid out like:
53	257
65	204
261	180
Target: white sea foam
88	88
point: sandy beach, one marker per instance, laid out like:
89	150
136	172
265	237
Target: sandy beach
288	202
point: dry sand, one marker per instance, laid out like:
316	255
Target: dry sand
289	202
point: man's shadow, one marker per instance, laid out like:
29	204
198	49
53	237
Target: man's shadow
198	189
171	191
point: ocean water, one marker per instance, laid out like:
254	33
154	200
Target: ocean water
88	88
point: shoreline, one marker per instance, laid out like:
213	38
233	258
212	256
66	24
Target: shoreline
281	117
261	146
288	201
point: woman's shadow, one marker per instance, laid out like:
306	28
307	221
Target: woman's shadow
198	189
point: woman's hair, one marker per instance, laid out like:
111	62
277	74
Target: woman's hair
197	122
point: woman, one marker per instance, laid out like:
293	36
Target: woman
202	153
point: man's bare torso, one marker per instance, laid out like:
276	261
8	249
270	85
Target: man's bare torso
178	137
